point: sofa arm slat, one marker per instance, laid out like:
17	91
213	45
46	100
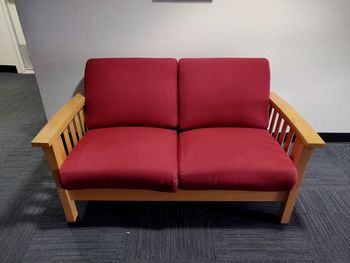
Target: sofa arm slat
301	128
59	122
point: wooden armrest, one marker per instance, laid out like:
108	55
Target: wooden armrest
303	130
56	125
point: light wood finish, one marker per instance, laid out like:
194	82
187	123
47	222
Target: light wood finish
78	125
82	119
301	156
309	137
55	158
59	127
54	128
60	150
67	140
288	142
67	127
278	127
273	120
283	133
73	133
180	195
299	144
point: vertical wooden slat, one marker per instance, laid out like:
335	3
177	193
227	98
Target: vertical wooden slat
270	111
288	141
67	140
60	149
82	119
78	125
292	144
278	126
283	133
297	150
73	133
273	120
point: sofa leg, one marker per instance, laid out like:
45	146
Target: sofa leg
55	156
69	207
287	206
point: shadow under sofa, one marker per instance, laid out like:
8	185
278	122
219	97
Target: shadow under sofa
152	129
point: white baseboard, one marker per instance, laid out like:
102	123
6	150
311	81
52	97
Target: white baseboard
28	71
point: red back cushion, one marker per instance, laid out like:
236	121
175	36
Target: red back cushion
218	92
131	92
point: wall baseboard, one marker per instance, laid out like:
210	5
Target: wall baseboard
335	137
8	69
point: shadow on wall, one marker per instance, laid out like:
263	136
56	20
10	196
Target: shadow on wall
79	88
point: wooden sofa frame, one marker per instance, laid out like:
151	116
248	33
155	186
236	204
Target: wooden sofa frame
67	127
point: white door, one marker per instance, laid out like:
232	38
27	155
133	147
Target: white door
13	48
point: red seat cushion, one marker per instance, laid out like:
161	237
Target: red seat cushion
233	159
224	92
125	157
131	92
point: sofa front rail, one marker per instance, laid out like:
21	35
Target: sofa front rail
67	127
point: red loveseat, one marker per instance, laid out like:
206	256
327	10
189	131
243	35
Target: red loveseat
162	130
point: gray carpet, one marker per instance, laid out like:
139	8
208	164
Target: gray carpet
33	229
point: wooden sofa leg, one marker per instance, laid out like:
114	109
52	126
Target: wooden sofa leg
287	206
69	207
55	156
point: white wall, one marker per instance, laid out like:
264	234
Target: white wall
307	42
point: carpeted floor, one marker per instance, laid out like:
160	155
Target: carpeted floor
33	228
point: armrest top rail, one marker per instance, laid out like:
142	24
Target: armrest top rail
307	134
55	126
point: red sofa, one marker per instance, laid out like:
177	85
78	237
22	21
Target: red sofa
189	130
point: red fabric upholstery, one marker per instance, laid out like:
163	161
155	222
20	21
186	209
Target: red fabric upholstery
233	159
131	92
126	157
224	92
